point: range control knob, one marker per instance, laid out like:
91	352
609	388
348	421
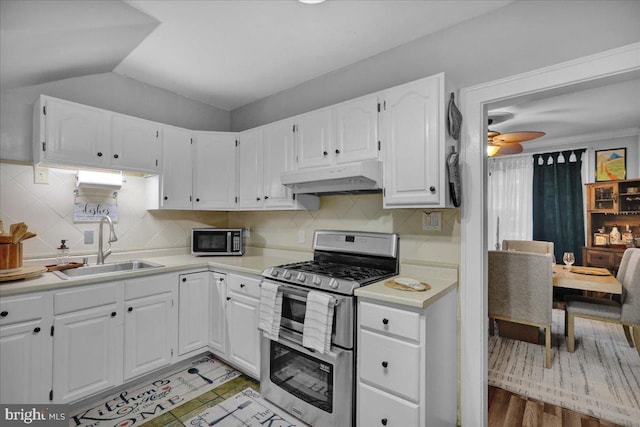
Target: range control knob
286	275
274	273
301	278
317	281
333	283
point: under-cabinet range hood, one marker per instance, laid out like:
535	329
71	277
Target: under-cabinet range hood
361	177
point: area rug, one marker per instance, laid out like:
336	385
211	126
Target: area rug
245	409
145	402
601	378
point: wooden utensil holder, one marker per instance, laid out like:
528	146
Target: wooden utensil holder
10	256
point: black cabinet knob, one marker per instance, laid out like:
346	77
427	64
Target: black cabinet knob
385	364
432	189
166	198
337	151
36	330
99	154
228	298
4	314
242	285
113	314
324	153
184	279
130	309
385	321
266	197
115	156
383	421
257	199
197	200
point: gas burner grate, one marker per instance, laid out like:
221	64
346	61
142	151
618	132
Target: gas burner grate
337	270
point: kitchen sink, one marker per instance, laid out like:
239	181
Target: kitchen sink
116	267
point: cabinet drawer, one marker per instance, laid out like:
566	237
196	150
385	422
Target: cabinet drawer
600	259
402	323
86	297
147	286
390	364
21	309
376	408
244	285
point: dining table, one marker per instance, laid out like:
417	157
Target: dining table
592	279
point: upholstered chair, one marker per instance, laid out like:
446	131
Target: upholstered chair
625	313
533	246
521	289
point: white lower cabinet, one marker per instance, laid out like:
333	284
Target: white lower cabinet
243	315
217	313
193	312
25	349
407	364
87	345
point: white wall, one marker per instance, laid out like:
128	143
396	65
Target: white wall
109	91
523	36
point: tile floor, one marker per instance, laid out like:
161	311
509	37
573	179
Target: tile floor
181	414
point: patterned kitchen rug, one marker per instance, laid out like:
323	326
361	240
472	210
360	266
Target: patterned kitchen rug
601	378
145	402
245	409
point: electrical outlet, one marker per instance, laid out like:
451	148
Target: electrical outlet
302	236
40	175
88	237
247	232
432	221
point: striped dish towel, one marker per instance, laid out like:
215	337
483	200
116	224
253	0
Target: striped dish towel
270	310
318	322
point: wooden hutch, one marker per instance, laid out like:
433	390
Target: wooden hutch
609	204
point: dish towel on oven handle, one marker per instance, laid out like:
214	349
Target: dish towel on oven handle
318	322
270	310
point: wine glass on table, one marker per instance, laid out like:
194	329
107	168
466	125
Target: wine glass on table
568	259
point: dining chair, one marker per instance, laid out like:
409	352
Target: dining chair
520	291
625	313
533	246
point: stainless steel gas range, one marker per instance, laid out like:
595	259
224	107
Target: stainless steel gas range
320	388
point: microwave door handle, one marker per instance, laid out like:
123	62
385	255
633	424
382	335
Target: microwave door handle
228	248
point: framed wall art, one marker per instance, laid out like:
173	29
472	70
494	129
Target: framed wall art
611	165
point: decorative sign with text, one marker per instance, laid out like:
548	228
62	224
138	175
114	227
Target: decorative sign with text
93	212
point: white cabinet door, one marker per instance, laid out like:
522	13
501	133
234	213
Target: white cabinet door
193	312
135	144
147	337
23	371
87	352
278	158
217	313
75	134
414	144
357	130
250	169
176	168
215	170
314	135
244	336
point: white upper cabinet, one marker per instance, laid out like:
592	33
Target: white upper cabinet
250	165
278	158
135	144
357	130
177	167
73	134
414	144
214	182
315	132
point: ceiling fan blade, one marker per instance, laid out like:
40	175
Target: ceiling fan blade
516	137
492	133
513	148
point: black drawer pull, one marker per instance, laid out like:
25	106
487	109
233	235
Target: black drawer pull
36	330
166	198
130	309
4	314
99	154
432	189
113	314
385	364
383	421
337	151
324	153
184	279
385	321
115	156
242	285
228	298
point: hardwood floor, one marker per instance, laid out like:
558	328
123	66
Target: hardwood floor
507	409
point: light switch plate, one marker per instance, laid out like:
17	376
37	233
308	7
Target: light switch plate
247	232
88	237
432	221
40	175
302	236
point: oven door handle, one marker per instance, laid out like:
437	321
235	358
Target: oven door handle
301	295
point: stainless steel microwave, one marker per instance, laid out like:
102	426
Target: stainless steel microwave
217	241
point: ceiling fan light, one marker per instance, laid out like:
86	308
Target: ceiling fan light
492	150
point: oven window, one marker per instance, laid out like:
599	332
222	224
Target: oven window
293	309
305	377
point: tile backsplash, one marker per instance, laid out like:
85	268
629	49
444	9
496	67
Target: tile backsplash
48	211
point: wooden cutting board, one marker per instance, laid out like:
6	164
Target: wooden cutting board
23	273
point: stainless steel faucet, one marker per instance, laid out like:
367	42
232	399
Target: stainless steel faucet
112	238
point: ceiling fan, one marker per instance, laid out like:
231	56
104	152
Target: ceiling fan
500	144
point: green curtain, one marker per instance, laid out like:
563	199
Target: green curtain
558	211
